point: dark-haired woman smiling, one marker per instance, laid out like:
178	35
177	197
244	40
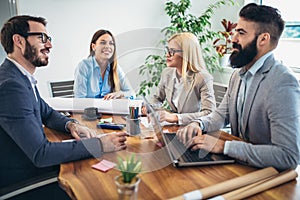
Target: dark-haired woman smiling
99	76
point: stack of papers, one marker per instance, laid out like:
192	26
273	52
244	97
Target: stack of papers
113	106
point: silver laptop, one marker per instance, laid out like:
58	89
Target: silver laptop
180	156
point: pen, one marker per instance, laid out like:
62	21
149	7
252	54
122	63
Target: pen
70	140
102	135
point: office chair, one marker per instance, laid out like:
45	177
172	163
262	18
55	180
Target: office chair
220	90
62	89
28	185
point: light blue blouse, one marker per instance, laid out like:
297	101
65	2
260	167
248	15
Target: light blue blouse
89	83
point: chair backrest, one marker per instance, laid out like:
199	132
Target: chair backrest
220	90
62	89
28	185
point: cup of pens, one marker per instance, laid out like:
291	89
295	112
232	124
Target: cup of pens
133	121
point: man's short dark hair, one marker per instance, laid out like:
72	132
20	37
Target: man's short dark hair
16	25
267	18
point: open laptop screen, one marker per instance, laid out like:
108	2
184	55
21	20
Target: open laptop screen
180	155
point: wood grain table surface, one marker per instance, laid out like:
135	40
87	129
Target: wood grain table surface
159	180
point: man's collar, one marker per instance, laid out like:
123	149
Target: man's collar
23	70
257	65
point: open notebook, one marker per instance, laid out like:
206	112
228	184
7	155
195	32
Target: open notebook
179	155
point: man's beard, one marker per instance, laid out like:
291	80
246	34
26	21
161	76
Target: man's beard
243	56
31	55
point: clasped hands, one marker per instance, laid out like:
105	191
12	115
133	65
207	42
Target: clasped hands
110	142
163	115
191	136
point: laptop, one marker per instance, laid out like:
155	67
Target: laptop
179	155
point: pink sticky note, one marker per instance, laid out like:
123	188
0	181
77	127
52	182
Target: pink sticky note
159	144
108	163
104	165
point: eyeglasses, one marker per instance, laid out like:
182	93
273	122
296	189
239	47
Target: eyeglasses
171	51
43	36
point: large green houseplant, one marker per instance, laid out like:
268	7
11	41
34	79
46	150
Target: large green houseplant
182	21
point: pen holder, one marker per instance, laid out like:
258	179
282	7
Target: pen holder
133	126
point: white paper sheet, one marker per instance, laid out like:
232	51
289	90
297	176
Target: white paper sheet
114	106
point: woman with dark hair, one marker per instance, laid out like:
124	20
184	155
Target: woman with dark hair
99	75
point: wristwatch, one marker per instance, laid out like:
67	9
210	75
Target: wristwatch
70	121
74	121
201	124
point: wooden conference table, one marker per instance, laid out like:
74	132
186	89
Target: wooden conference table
160	180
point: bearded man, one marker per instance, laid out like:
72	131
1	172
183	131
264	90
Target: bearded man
262	103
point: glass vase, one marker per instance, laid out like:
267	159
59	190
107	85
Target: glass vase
127	191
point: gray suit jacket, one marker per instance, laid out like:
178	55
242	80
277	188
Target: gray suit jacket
196	99
271	117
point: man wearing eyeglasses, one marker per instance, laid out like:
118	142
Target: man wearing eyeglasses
25	152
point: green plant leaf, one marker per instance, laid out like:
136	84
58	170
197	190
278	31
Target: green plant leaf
130	167
180	21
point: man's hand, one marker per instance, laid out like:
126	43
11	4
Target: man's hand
208	143
79	131
114	95
186	134
113	141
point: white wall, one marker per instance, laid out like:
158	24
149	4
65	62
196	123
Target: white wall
136	25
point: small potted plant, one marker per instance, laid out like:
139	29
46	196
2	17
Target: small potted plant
127	183
223	43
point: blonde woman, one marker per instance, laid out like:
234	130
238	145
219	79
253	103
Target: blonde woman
185	84
99	76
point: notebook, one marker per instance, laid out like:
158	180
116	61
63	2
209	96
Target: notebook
179	155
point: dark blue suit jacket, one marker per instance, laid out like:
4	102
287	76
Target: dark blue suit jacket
25	152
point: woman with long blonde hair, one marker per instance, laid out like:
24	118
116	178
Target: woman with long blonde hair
185	84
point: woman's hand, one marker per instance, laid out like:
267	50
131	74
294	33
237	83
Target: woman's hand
114	95
167	116
144	110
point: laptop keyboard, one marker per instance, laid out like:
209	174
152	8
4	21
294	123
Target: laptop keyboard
186	153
